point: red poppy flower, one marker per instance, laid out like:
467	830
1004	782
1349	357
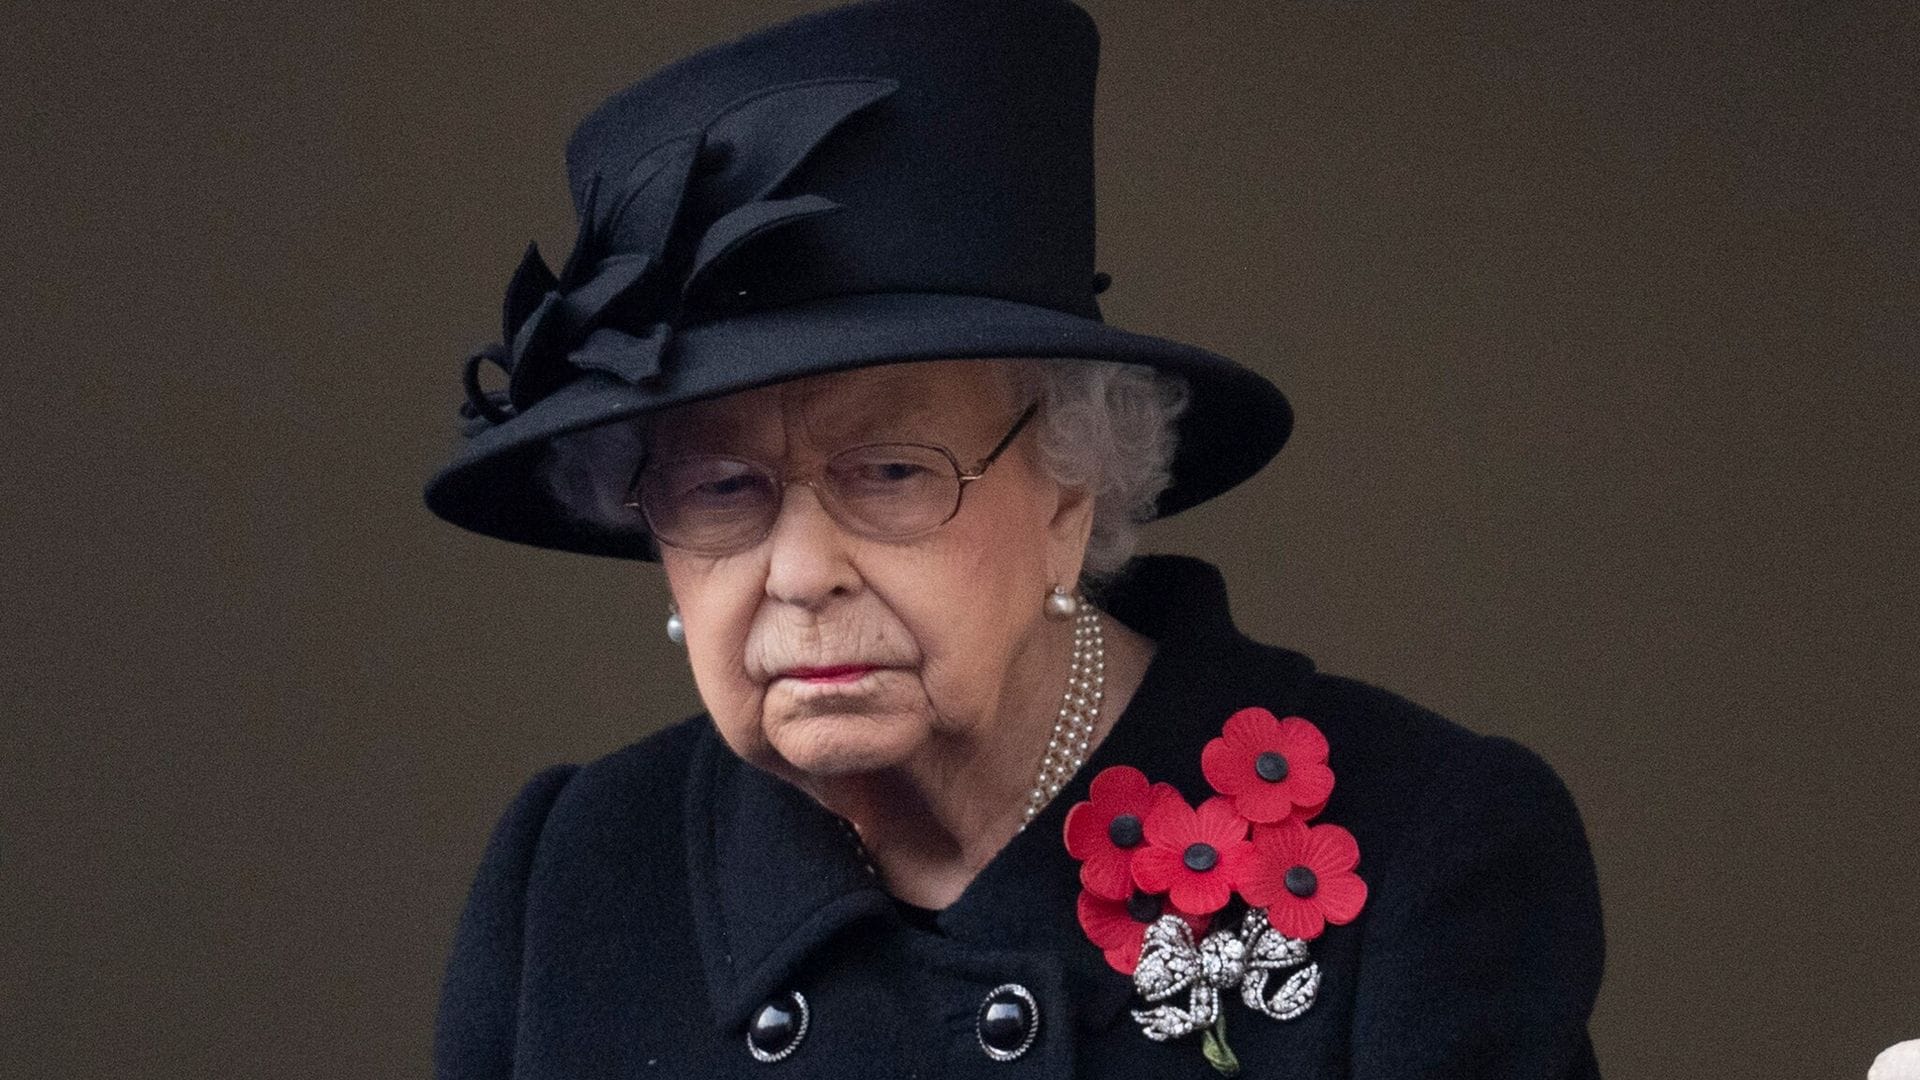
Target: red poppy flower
1193	856
1107	830
1269	768
1303	875
1119	927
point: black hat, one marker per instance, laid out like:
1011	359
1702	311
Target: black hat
886	181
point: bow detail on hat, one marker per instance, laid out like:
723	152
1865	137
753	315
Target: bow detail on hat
1170	961
650	242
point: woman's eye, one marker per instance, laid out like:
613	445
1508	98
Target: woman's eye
895	470
717	483
730	485
883	476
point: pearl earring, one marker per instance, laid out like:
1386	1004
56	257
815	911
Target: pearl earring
1061	605
676	630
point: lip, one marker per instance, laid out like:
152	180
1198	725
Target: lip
829	674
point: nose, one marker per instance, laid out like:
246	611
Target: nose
807	556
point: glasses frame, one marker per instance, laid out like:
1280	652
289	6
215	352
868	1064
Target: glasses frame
633	500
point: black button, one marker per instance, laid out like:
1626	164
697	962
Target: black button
778	1027
1124	831
1271	766
1009	1021
1200	858
1302	882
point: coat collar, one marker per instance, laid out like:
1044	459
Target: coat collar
775	876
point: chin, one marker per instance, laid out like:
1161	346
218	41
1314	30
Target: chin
842	743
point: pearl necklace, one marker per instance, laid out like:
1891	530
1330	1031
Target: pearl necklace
1079	712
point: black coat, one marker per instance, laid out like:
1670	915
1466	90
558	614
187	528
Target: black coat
630	917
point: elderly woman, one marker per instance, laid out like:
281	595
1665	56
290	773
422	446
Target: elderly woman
974	791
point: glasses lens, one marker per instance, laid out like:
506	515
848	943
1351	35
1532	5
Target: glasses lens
708	503
892	489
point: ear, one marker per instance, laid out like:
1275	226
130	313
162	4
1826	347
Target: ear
1067	534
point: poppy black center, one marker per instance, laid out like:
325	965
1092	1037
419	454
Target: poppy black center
1271	766
1302	882
1200	858
1145	907
1124	831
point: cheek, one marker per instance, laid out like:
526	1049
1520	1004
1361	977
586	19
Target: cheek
718	612
972	605
1003	550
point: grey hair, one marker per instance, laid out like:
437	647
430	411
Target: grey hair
1104	426
1108	428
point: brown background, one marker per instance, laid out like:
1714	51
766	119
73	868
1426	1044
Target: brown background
1599	320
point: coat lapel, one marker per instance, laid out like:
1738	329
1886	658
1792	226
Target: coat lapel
773	876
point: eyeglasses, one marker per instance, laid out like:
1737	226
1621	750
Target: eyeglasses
713	504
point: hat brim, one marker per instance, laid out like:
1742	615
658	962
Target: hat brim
1234	424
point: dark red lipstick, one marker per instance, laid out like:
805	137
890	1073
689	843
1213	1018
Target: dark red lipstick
833	674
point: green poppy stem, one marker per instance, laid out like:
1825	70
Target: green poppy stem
1214	1046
